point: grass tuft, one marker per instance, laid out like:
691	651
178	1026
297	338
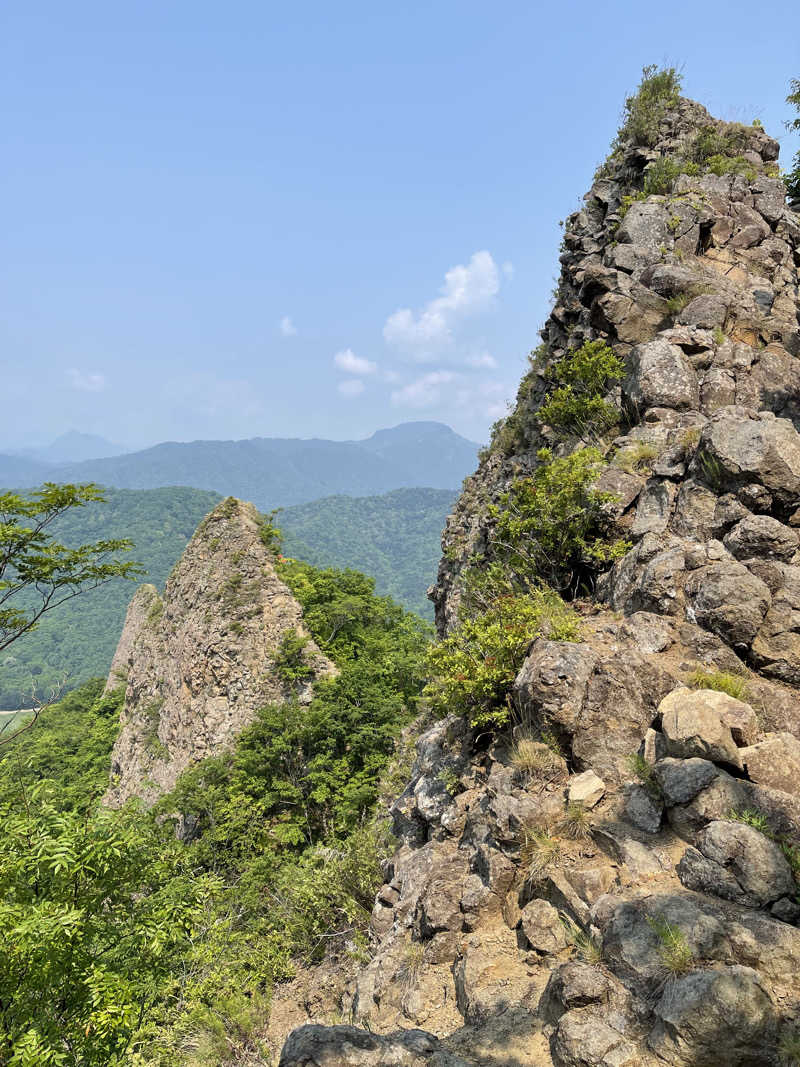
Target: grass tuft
673	949
536	759
587	948
575	822
539	852
735	685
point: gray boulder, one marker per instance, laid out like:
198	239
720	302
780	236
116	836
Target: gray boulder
348	1046
588	1037
723	1015
743	447
761	535
774	762
727	599
738	863
659	375
693	726
543	928
643	809
682	779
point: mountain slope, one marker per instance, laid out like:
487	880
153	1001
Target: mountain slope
276	472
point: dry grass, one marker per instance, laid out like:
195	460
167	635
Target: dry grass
633	458
575	822
587	948
537	760
789	1048
539	851
412	963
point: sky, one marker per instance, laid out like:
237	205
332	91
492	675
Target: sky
312	219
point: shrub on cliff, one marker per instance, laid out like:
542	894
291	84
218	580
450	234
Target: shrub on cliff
474	667
577	404
793	177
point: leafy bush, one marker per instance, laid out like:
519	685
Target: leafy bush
474	666
658	92
662	175
549	527
793	177
93	910
578	404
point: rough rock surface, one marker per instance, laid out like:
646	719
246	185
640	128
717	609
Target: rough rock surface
200	662
144	601
678	940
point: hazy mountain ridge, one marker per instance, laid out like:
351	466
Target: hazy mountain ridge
276	472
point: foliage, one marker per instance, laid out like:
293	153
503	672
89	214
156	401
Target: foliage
70	743
578	404
643	770
38	572
395	538
793	177
539	851
789	1048
658	92
473	667
587	948
291	664
735	685
549	526
661	175
93	908
636	457
536	759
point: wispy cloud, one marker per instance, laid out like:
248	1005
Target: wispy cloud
481	360
86	382
287	327
423	392
350	363
467	290
351	387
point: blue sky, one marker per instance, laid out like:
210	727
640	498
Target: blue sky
312	219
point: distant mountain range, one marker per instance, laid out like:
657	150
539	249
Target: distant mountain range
395	538
72	447
273	472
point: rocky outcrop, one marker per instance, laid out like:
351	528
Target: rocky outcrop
636	903
200	661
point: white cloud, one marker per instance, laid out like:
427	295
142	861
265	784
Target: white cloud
351	387
424	392
350	363
482	359
466	290
287	327
86	382
486	399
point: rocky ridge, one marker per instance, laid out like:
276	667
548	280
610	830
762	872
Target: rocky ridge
199	662
633	899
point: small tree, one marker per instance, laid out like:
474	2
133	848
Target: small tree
793	178
37	572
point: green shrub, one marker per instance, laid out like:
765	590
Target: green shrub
793	177
643	770
587	948
577	404
658	92
677	303
472	669
662	175
291	664
549	526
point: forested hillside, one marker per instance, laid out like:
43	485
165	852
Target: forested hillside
393	538
281	865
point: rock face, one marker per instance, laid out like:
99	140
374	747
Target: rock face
584	918
200	662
